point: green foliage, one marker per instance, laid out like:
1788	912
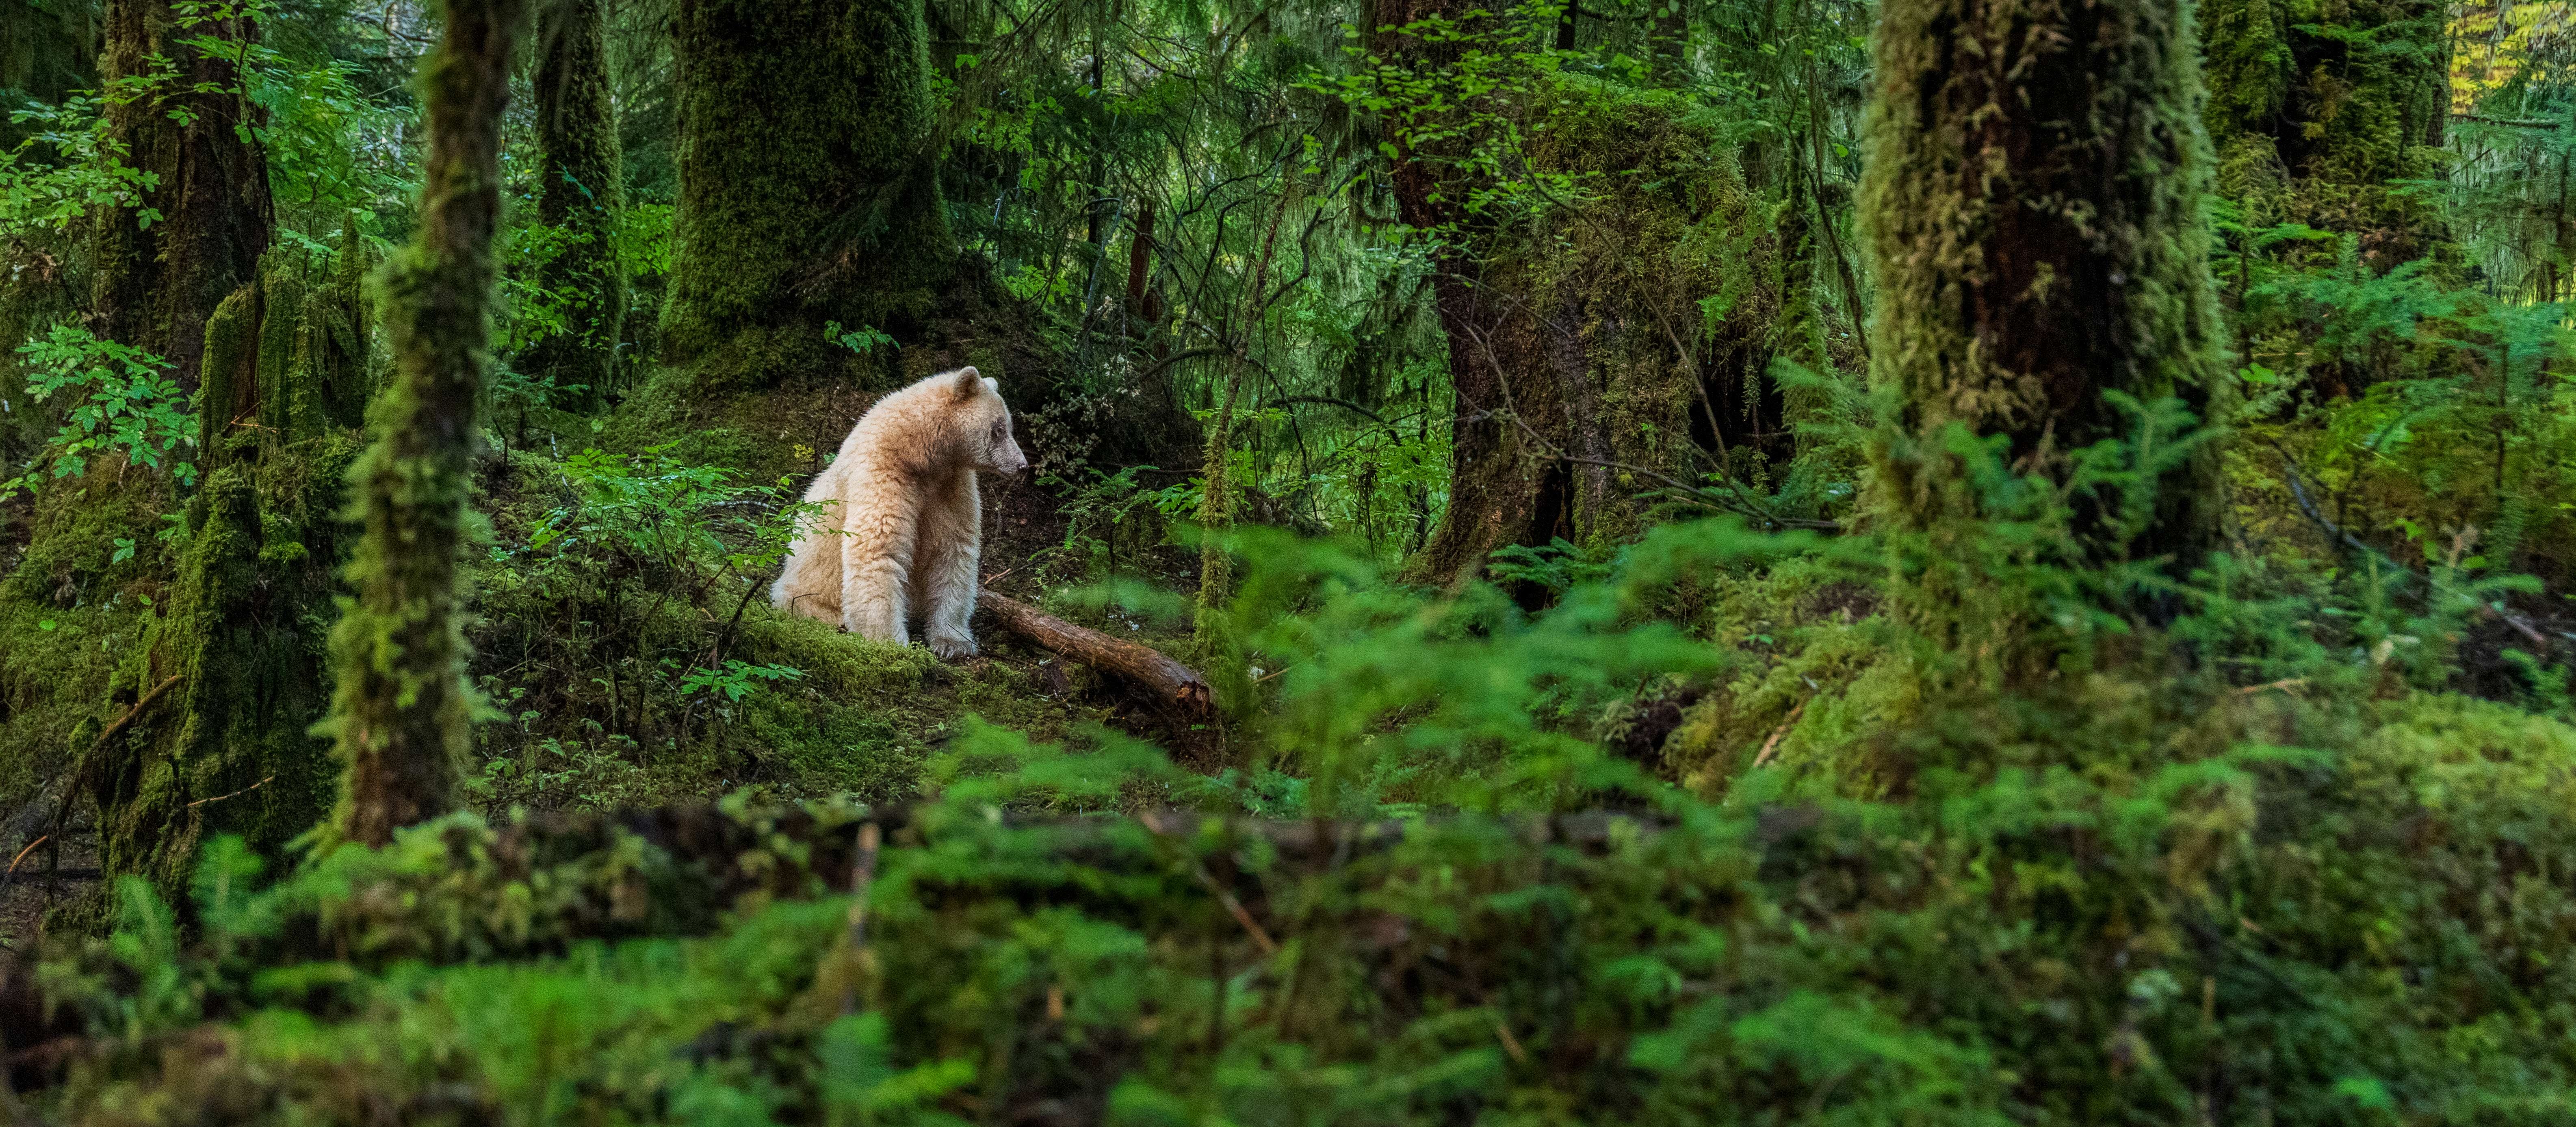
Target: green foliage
121	404
2068	913
1981	811
68	163
1467	113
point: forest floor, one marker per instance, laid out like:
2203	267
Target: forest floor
26	893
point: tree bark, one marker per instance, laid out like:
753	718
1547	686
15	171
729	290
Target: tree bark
401	711
1570	337
2033	197
806	191
2313	113
581	191
156	286
1494	482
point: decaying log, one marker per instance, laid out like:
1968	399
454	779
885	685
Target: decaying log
1170	681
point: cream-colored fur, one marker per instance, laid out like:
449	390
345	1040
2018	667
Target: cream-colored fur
902	517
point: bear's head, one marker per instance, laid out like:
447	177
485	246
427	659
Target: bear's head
984	422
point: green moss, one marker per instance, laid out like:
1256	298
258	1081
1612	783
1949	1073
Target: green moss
401	709
581	192
228	389
798	210
230	751
2248	66
333	351
2333	101
2025	268
55	668
1603	310
240	636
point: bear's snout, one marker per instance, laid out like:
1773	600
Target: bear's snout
1009	460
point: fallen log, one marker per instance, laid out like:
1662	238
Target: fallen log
1169	680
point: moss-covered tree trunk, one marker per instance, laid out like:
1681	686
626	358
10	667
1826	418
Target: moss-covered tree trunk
808	189
2315	110
1430	194
230	751
1799	333
401	711
2033	194
156	285
580	192
1569	337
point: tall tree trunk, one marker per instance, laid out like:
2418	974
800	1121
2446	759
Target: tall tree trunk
156	286
2313	112
580	191
401	711
1492	486
2033	196
807	192
1572	340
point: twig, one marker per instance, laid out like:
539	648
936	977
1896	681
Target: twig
235	794
22	855
2287	686
1771	747
137	710
2299	493
1235	908
2485	120
863	874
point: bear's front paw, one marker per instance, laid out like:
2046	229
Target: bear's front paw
962	645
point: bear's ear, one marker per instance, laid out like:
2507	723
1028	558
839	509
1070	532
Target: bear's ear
969	381
992	385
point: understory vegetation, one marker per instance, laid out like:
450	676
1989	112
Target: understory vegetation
1847	561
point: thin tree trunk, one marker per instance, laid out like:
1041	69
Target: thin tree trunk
402	707
581	190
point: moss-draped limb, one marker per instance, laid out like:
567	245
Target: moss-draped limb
401	709
580	191
156	286
806	193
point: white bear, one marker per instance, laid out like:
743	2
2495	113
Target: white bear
902	517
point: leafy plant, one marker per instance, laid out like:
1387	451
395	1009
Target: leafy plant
121	402
737	679
68	164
